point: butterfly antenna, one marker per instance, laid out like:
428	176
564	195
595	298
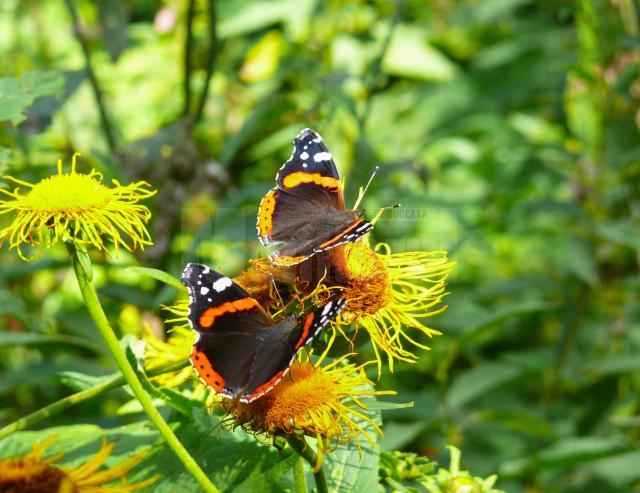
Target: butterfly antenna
381	211
362	192
275	287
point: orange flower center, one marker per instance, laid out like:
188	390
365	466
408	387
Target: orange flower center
29	475
368	287
302	391
305	389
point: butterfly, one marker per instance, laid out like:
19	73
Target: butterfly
240	351
305	211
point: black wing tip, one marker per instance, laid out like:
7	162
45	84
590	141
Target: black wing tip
308	133
192	271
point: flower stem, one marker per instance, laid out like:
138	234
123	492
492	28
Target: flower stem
107	127
299	477
100	319
73	399
188	47
211	60
302	448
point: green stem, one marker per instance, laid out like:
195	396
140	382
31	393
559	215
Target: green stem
298	477
211	60
107	129
302	448
372	82
188	47
73	399
100	319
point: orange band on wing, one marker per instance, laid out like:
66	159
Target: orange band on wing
265	213
203	367
336	238
305	330
267	386
300	177
209	315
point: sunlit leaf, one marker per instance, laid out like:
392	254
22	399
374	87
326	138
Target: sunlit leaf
17	94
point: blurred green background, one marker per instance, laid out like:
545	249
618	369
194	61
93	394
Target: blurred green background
510	128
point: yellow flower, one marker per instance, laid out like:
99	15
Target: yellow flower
177	347
389	293
256	281
32	473
79	207
319	401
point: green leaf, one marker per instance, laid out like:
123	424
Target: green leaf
384	406
14	305
238	18
134	350
620	470
79	381
35	339
491	11
80	442
615	364
399	435
479	381
17	94
113	18
520	422
577	256
623	232
5	156
233	460
409	55
158	275
349	470
568	453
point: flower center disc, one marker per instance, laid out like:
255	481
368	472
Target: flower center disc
28	475
309	389
67	192
368	286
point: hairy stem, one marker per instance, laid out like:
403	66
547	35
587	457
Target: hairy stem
102	323
302	448
73	399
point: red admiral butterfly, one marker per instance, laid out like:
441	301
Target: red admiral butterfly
305	211
240	351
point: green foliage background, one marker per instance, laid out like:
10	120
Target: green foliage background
508	130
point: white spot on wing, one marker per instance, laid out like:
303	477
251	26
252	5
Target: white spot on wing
304	155
204	290
326	309
322	156
221	284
